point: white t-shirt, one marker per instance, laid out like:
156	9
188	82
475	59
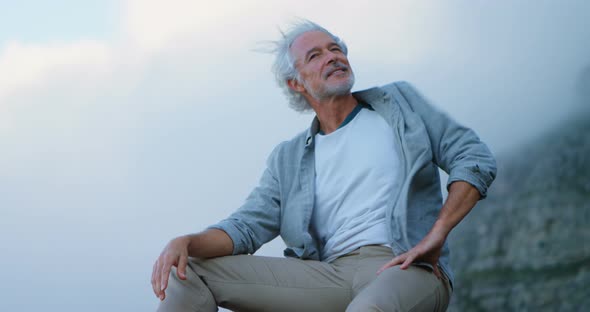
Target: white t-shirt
355	169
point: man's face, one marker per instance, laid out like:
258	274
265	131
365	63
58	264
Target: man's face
323	68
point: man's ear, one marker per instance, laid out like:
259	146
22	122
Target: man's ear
295	85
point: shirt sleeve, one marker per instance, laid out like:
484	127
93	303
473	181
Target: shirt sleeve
456	149
257	221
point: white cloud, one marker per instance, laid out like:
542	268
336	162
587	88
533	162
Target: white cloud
154	24
205	31
24	64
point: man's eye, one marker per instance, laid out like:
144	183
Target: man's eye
336	49
312	56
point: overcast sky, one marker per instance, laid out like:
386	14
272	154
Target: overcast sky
126	123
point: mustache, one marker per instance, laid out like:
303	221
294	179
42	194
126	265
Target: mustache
337	65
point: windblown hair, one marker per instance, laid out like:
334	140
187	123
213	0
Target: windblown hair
284	64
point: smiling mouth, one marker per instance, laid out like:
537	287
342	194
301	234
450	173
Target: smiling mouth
337	70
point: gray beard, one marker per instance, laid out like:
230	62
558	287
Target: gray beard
330	91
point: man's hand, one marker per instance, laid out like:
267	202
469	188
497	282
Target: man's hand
428	250
462	198
207	244
174	254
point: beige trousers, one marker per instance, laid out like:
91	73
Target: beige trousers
349	283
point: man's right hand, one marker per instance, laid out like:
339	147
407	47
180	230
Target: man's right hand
174	254
207	244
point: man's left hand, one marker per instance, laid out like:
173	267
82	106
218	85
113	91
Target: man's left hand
428	250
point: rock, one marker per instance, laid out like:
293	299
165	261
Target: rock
527	246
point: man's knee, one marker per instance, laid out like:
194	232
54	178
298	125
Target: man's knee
173	278
189	294
178	287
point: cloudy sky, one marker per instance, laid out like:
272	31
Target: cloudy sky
126	123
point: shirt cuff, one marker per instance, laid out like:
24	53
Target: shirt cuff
470	175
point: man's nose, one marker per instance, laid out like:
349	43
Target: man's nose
331	57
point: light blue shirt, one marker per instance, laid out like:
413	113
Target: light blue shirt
282	203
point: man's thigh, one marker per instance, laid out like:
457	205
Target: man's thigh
414	289
256	283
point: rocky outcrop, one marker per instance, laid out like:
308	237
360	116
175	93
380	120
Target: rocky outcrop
527	246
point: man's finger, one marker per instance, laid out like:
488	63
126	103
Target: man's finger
406	264
395	261
398	260
437	271
154	279
181	272
158	279
384	267
165	274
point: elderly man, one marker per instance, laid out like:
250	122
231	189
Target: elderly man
356	199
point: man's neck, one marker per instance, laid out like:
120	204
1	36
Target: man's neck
332	112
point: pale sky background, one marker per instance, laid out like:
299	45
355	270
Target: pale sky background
126	123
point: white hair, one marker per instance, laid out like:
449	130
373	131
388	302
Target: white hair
284	64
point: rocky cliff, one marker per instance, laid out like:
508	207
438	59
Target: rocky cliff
527	246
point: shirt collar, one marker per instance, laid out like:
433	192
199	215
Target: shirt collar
369	96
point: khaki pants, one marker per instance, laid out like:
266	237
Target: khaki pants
349	283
